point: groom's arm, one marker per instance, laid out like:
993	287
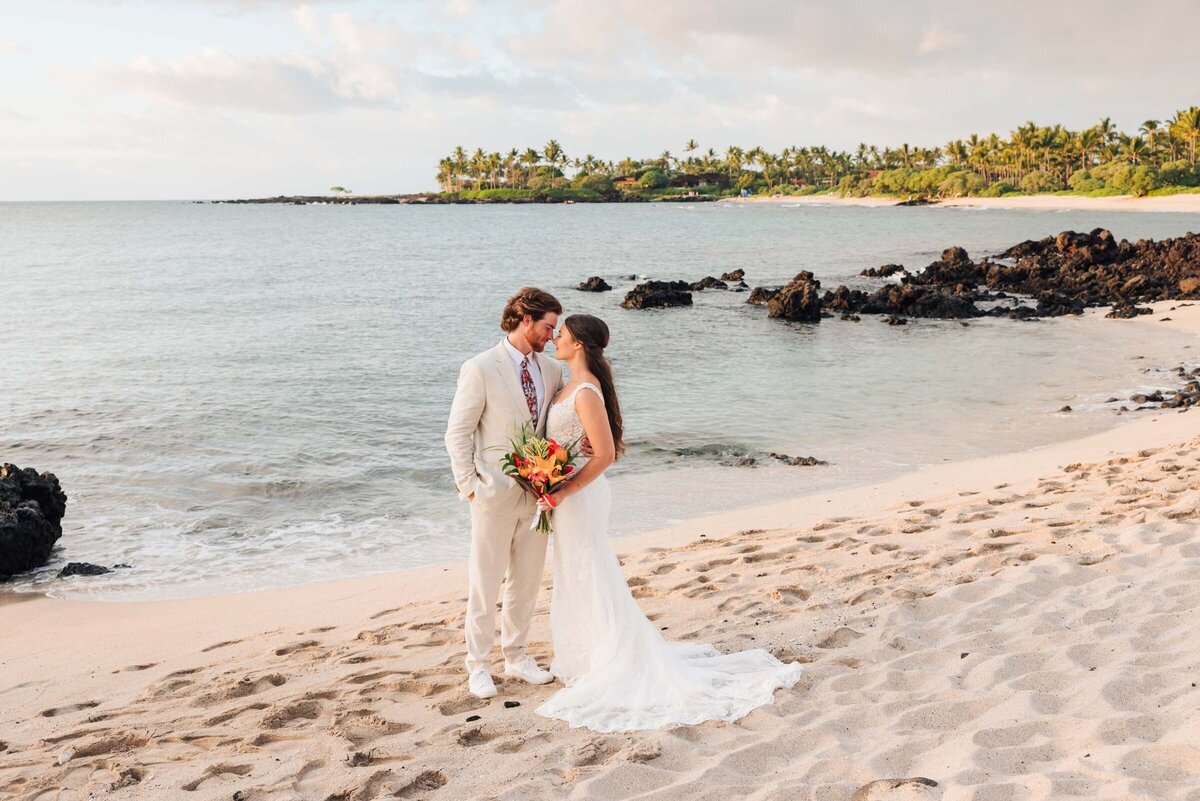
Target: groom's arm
465	413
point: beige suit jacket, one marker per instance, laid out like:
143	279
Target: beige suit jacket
489	406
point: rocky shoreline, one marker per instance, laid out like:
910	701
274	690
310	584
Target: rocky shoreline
1051	277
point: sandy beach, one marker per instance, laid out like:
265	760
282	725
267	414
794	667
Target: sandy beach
1018	627
1189	203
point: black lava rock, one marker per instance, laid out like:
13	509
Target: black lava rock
709	282
83	569
798	301
594	284
658	295
31	511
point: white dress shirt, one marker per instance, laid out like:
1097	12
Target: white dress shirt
535	372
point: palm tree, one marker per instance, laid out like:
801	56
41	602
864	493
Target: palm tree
1188	124
733	160
1088	140
957	152
445	174
860	154
554	154
1134	148
1150	129
459	157
530	159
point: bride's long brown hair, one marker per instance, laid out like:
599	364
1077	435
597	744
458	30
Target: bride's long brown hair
592	333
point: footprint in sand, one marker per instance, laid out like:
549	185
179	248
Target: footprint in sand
384	613
66	710
593	752
839	638
467	703
790	595
425	782
477	735
225	717
247	686
225	644
299	646
373	787
361	726
518	744
300	710
704	567
371	678
865	595
107	744
424	689
220	769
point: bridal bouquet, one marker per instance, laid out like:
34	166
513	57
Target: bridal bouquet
540	465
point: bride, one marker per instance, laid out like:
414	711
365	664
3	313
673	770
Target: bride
620	674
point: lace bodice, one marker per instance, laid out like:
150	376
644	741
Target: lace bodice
562	422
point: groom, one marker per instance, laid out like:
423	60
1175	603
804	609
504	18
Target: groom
498	391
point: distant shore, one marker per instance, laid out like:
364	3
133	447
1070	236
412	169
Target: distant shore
437	199
1185	203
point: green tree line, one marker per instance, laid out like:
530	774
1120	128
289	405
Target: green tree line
1031	159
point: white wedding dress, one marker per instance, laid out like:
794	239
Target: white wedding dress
620	674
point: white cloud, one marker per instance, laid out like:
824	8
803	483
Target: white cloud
280	84
936	39
305	18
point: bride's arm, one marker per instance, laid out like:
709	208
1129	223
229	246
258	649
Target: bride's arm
591	413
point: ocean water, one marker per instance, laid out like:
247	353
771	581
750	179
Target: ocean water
237	397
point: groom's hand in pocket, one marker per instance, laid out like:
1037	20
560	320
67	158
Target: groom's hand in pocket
585	445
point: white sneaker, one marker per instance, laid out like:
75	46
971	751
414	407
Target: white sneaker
527	670
481	685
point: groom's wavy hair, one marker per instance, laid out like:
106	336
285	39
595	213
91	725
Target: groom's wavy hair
592	333
537	303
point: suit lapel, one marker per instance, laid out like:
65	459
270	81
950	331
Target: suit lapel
508	375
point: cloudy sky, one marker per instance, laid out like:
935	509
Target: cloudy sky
233	98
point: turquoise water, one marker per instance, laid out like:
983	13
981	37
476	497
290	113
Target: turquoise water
237	397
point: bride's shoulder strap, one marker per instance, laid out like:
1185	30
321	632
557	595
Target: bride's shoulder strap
590	386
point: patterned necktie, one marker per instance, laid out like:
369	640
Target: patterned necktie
530	390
